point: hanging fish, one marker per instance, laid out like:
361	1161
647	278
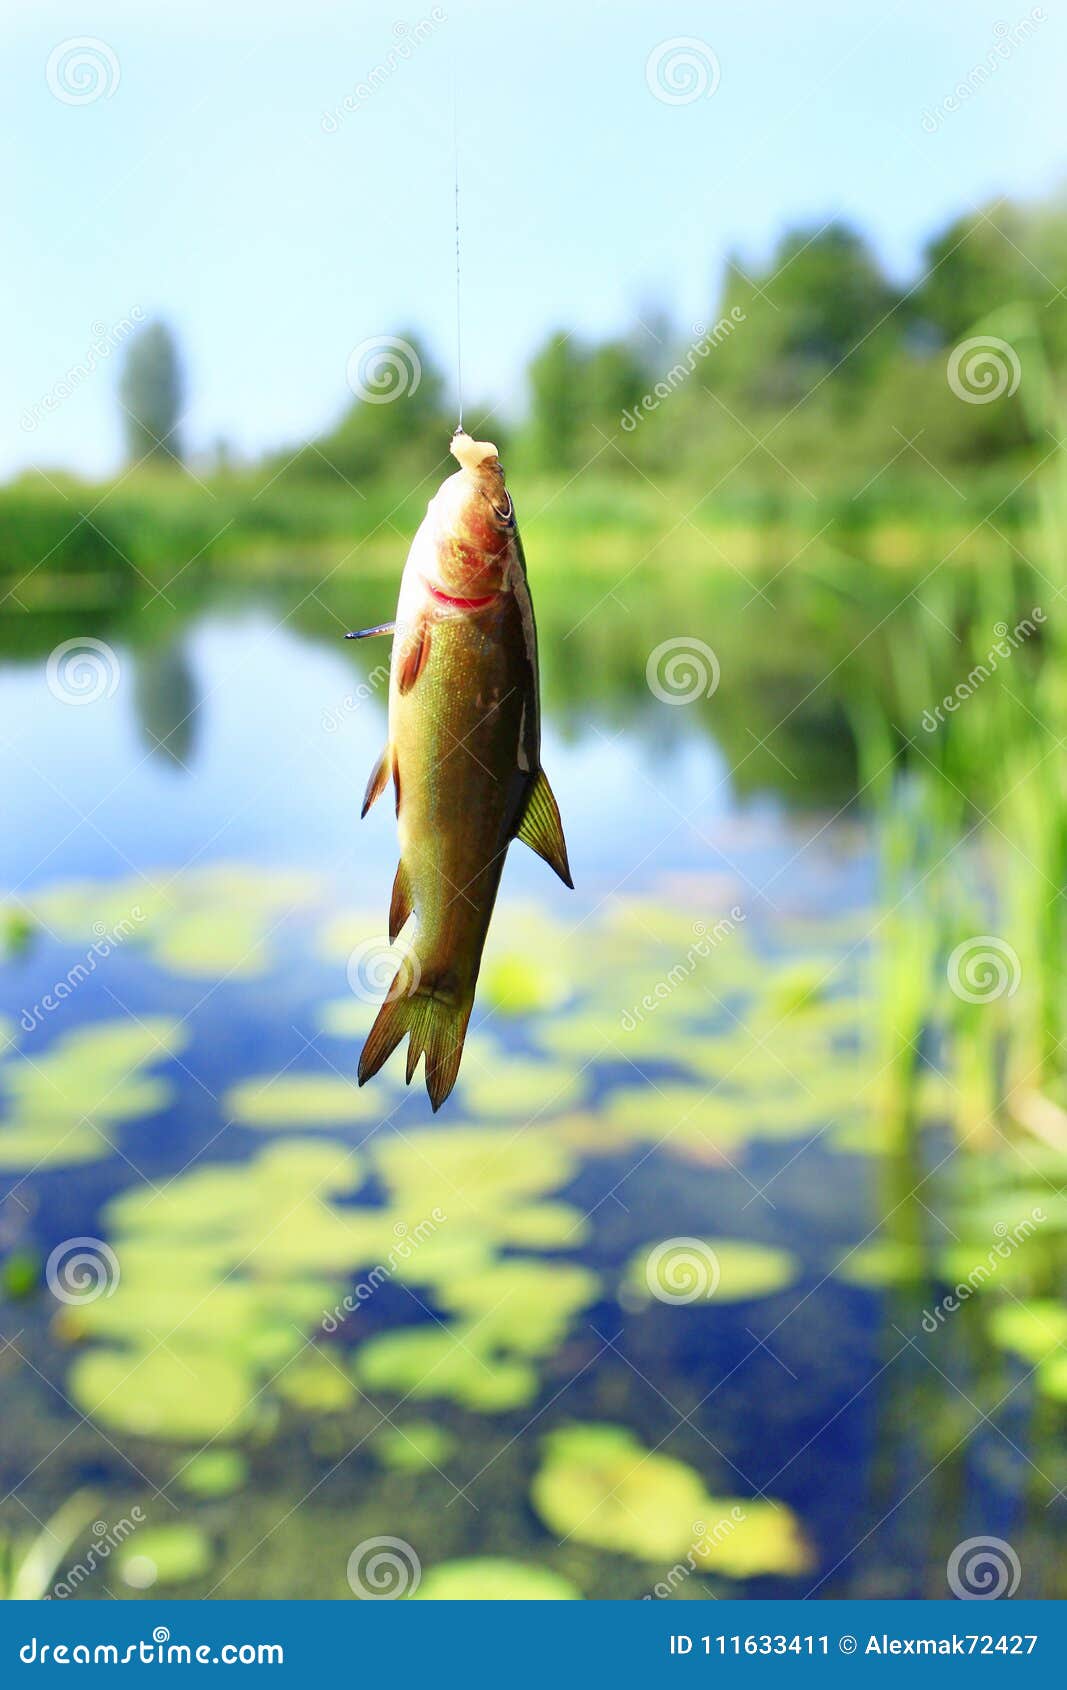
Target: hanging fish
464	754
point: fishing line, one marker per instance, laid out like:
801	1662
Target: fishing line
459	328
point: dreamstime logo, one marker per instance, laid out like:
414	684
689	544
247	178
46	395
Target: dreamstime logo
981	1569
705	1539
81	1270
107	1538
380	1569
983	369
104	342
82	670
1008	1240
984	968
682	70
372	970
333	718
681	670
682	1270
707	339
383	368
408	38
408	1241
82	70
1007	37
106	940
704	942
1007	641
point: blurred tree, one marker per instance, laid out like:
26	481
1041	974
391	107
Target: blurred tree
152	394
974	266
831	293
557	402
615	377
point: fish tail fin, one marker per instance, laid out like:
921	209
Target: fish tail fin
435	1013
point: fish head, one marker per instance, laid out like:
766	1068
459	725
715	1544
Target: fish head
473	522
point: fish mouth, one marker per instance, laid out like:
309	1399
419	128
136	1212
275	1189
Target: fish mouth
451	602
505	517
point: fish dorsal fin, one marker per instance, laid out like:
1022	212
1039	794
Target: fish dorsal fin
378	777
400	908
542	830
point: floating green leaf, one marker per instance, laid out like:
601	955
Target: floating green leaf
214	1472
281	1101
173	1554
695	1271
60	1104
600	1485
518	1088
492	1578
411	1446
1034	1330
315	1383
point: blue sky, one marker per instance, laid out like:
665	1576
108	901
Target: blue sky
207	189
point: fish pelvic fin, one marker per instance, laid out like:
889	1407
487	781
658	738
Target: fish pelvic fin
378	777
435	1013
542	830
400	908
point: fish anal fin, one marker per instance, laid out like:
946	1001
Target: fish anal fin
379	775
542	830
413	656
400	908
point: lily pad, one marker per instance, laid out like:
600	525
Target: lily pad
695	1271
282	1101
315	1383
882	1261
428	1363
413	1446
214	1472
492	1578
346	1018
60	1105
519	1088
188	1395
518	984
600	1485
1034	1330
199	924
173	1554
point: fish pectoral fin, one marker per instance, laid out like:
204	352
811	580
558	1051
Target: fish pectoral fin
368	633
542	830
400	908
378	777
413	656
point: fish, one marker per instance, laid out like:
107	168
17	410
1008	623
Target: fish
464	756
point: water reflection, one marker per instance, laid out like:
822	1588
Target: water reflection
448	1331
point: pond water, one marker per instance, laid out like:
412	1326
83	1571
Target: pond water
637	1312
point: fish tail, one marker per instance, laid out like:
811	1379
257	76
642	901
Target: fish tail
435	1013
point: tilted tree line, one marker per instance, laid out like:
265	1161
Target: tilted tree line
814	367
